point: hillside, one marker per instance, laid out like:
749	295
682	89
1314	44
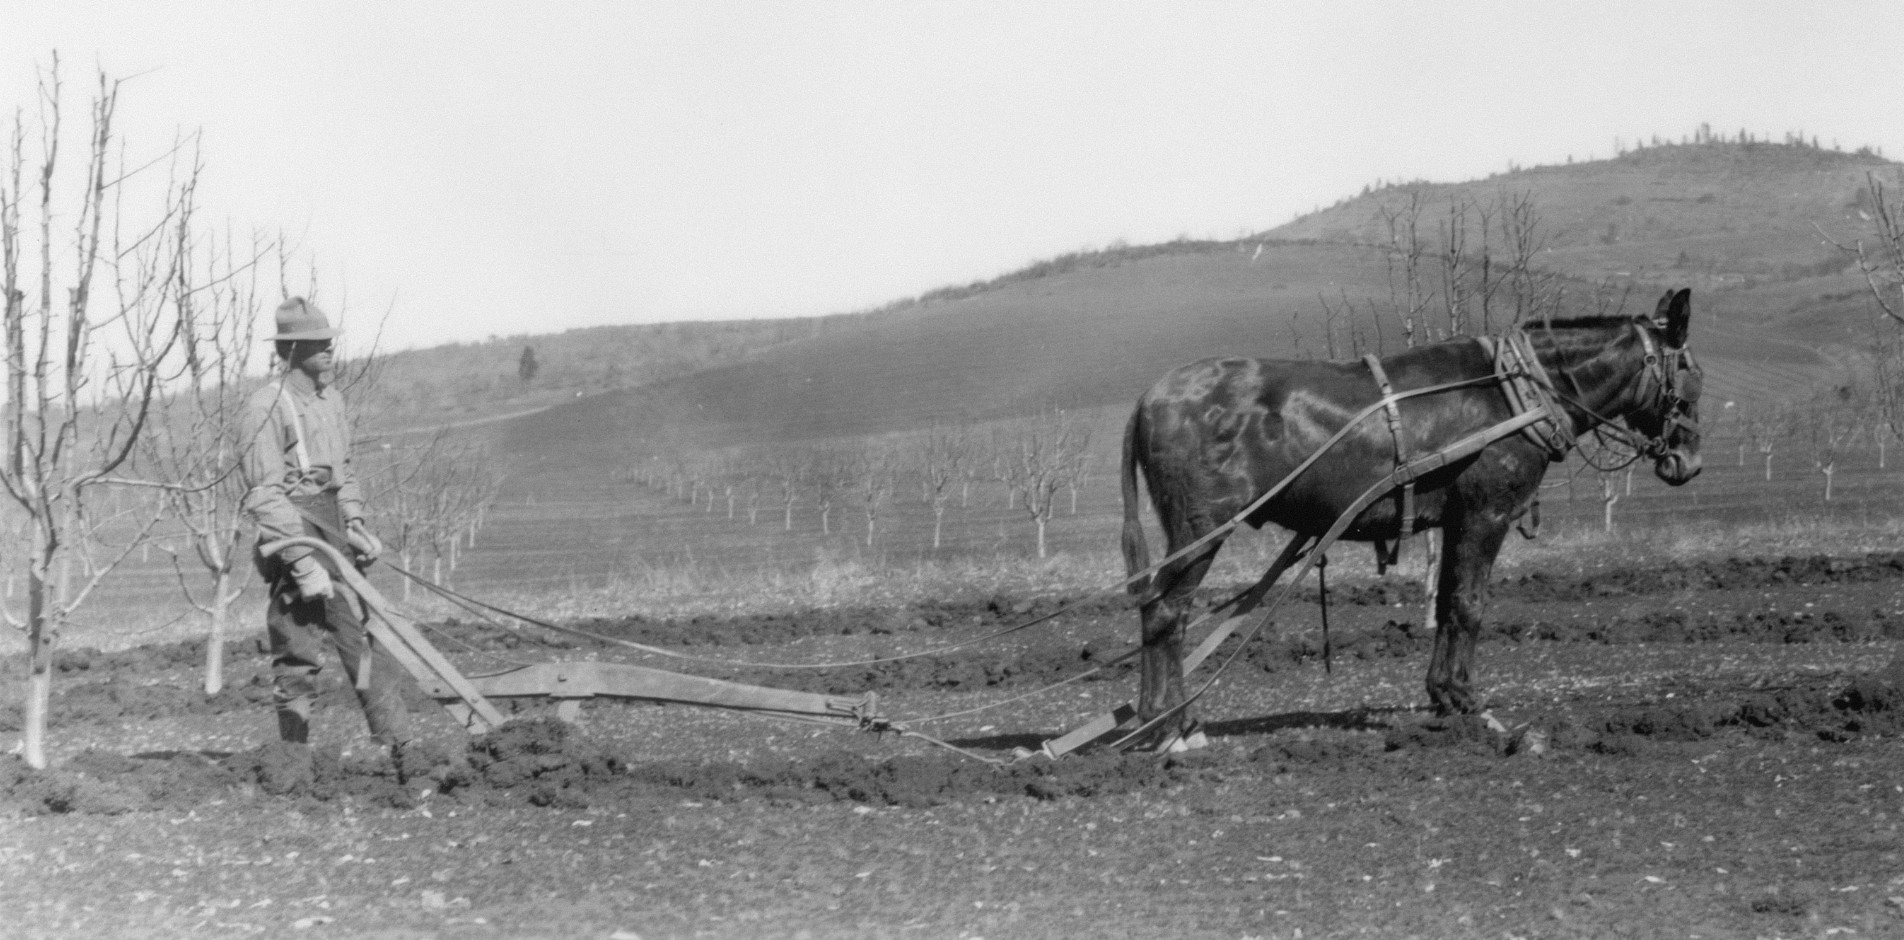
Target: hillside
1780	313
463	383
1736	220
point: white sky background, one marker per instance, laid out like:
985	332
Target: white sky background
482	168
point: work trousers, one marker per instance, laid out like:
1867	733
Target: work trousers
300	629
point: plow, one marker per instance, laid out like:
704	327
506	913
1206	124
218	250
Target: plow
569	684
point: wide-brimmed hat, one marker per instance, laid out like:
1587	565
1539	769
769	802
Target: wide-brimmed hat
300	319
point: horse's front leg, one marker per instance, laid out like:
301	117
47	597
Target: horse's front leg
1467	558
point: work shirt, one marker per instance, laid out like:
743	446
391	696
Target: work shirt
274	416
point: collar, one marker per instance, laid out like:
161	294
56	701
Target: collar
303	385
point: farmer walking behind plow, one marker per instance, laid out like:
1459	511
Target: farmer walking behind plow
300	483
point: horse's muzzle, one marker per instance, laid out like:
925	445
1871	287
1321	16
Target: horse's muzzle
1677	467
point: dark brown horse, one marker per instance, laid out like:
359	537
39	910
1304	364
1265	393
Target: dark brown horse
1215	437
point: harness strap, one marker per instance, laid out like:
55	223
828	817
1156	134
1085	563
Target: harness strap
1405	494
1529	389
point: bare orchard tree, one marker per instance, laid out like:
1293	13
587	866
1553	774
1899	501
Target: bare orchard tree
198	436
1079	477
1037	458
875	472
1832	424
830	474
1880	258
1406	258
788	471
1484	259
1767	427
430	494
87	276
942	457
1879	253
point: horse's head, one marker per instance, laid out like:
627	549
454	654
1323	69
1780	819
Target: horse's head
1665	407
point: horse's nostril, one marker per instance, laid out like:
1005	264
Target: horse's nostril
1677	468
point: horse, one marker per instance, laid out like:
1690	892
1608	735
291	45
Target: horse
1231	439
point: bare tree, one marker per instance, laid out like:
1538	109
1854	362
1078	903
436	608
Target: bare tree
1041	454
943	457
789	474
428	498
1832	424
1880	258
199	437
84	365
1609	495
1767	427
875	474
1407	295
830	474
1079	477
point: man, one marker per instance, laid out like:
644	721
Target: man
297	467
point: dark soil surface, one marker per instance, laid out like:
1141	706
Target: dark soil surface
1708	749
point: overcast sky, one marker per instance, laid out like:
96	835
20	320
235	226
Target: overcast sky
499	168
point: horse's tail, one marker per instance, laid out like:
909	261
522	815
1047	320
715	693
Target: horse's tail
1136	552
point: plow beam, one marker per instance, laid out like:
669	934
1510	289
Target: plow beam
570	683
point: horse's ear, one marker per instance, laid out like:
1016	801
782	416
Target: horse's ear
1673	318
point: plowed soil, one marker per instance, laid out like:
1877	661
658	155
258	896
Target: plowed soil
1702	749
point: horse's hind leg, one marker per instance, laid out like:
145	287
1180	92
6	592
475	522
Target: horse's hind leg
1160	671
1467	557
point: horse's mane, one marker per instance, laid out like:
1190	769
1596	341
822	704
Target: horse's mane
1575	323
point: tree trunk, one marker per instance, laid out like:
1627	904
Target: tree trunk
39	682
1041	536
215	637
938	525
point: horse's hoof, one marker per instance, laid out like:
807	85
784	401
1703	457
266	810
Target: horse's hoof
1194	741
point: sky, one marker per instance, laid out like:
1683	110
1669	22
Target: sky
462	170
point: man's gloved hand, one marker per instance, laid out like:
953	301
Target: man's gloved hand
313	582
362	543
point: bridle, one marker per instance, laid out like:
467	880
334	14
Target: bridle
1663	365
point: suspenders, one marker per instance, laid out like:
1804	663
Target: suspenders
297	426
